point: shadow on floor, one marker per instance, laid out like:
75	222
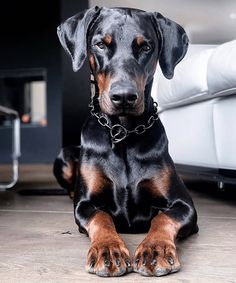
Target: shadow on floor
210	190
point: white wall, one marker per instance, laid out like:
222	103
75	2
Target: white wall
206	21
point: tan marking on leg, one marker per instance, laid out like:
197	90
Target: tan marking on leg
159	248
68	174
67	171
165	227
106	247
100	221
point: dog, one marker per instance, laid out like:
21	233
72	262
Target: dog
121	177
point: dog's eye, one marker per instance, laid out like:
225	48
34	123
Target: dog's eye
101	45
145	47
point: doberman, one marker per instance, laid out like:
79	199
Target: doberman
121	177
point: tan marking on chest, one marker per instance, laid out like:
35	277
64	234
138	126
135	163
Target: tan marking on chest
159	184
94	178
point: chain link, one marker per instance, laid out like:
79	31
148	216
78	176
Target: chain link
119	132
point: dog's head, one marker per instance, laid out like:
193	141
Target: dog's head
123	46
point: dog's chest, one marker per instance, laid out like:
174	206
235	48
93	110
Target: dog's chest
129	200
127	172
123	196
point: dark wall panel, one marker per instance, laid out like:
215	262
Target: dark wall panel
29	40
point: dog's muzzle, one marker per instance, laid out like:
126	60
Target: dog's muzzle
123	96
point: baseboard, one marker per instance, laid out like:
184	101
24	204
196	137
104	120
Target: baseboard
208	174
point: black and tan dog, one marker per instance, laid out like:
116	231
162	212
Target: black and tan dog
122	177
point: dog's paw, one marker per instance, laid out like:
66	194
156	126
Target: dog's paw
156	258
108	259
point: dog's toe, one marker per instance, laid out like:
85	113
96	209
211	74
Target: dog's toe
156	259
107	260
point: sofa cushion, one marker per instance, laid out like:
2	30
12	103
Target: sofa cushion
188	85
190	131
221	73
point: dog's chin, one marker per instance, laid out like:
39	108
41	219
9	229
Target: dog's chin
128	113
123	112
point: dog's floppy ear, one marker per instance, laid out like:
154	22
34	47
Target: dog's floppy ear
73	35
174	44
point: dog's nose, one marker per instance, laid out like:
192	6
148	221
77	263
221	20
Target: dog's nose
124	99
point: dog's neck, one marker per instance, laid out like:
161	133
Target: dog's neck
121	127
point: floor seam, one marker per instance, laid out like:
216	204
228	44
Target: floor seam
36	211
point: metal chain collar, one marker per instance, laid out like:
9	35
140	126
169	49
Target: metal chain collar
119	132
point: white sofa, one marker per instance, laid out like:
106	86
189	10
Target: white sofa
198	110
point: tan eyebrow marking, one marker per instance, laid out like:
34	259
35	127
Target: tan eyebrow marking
107	39
139	40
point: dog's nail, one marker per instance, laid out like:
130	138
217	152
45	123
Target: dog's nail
116	254
154	262
170	260
92	263
107	262
118	262
155	254
144	258
128	263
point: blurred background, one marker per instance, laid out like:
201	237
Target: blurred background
36	77
43	105
206	22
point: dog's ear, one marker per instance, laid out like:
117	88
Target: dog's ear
174	44
73	35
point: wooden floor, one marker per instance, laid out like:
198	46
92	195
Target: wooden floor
39	241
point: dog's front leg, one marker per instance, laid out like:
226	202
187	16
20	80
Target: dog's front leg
157	255
108	254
